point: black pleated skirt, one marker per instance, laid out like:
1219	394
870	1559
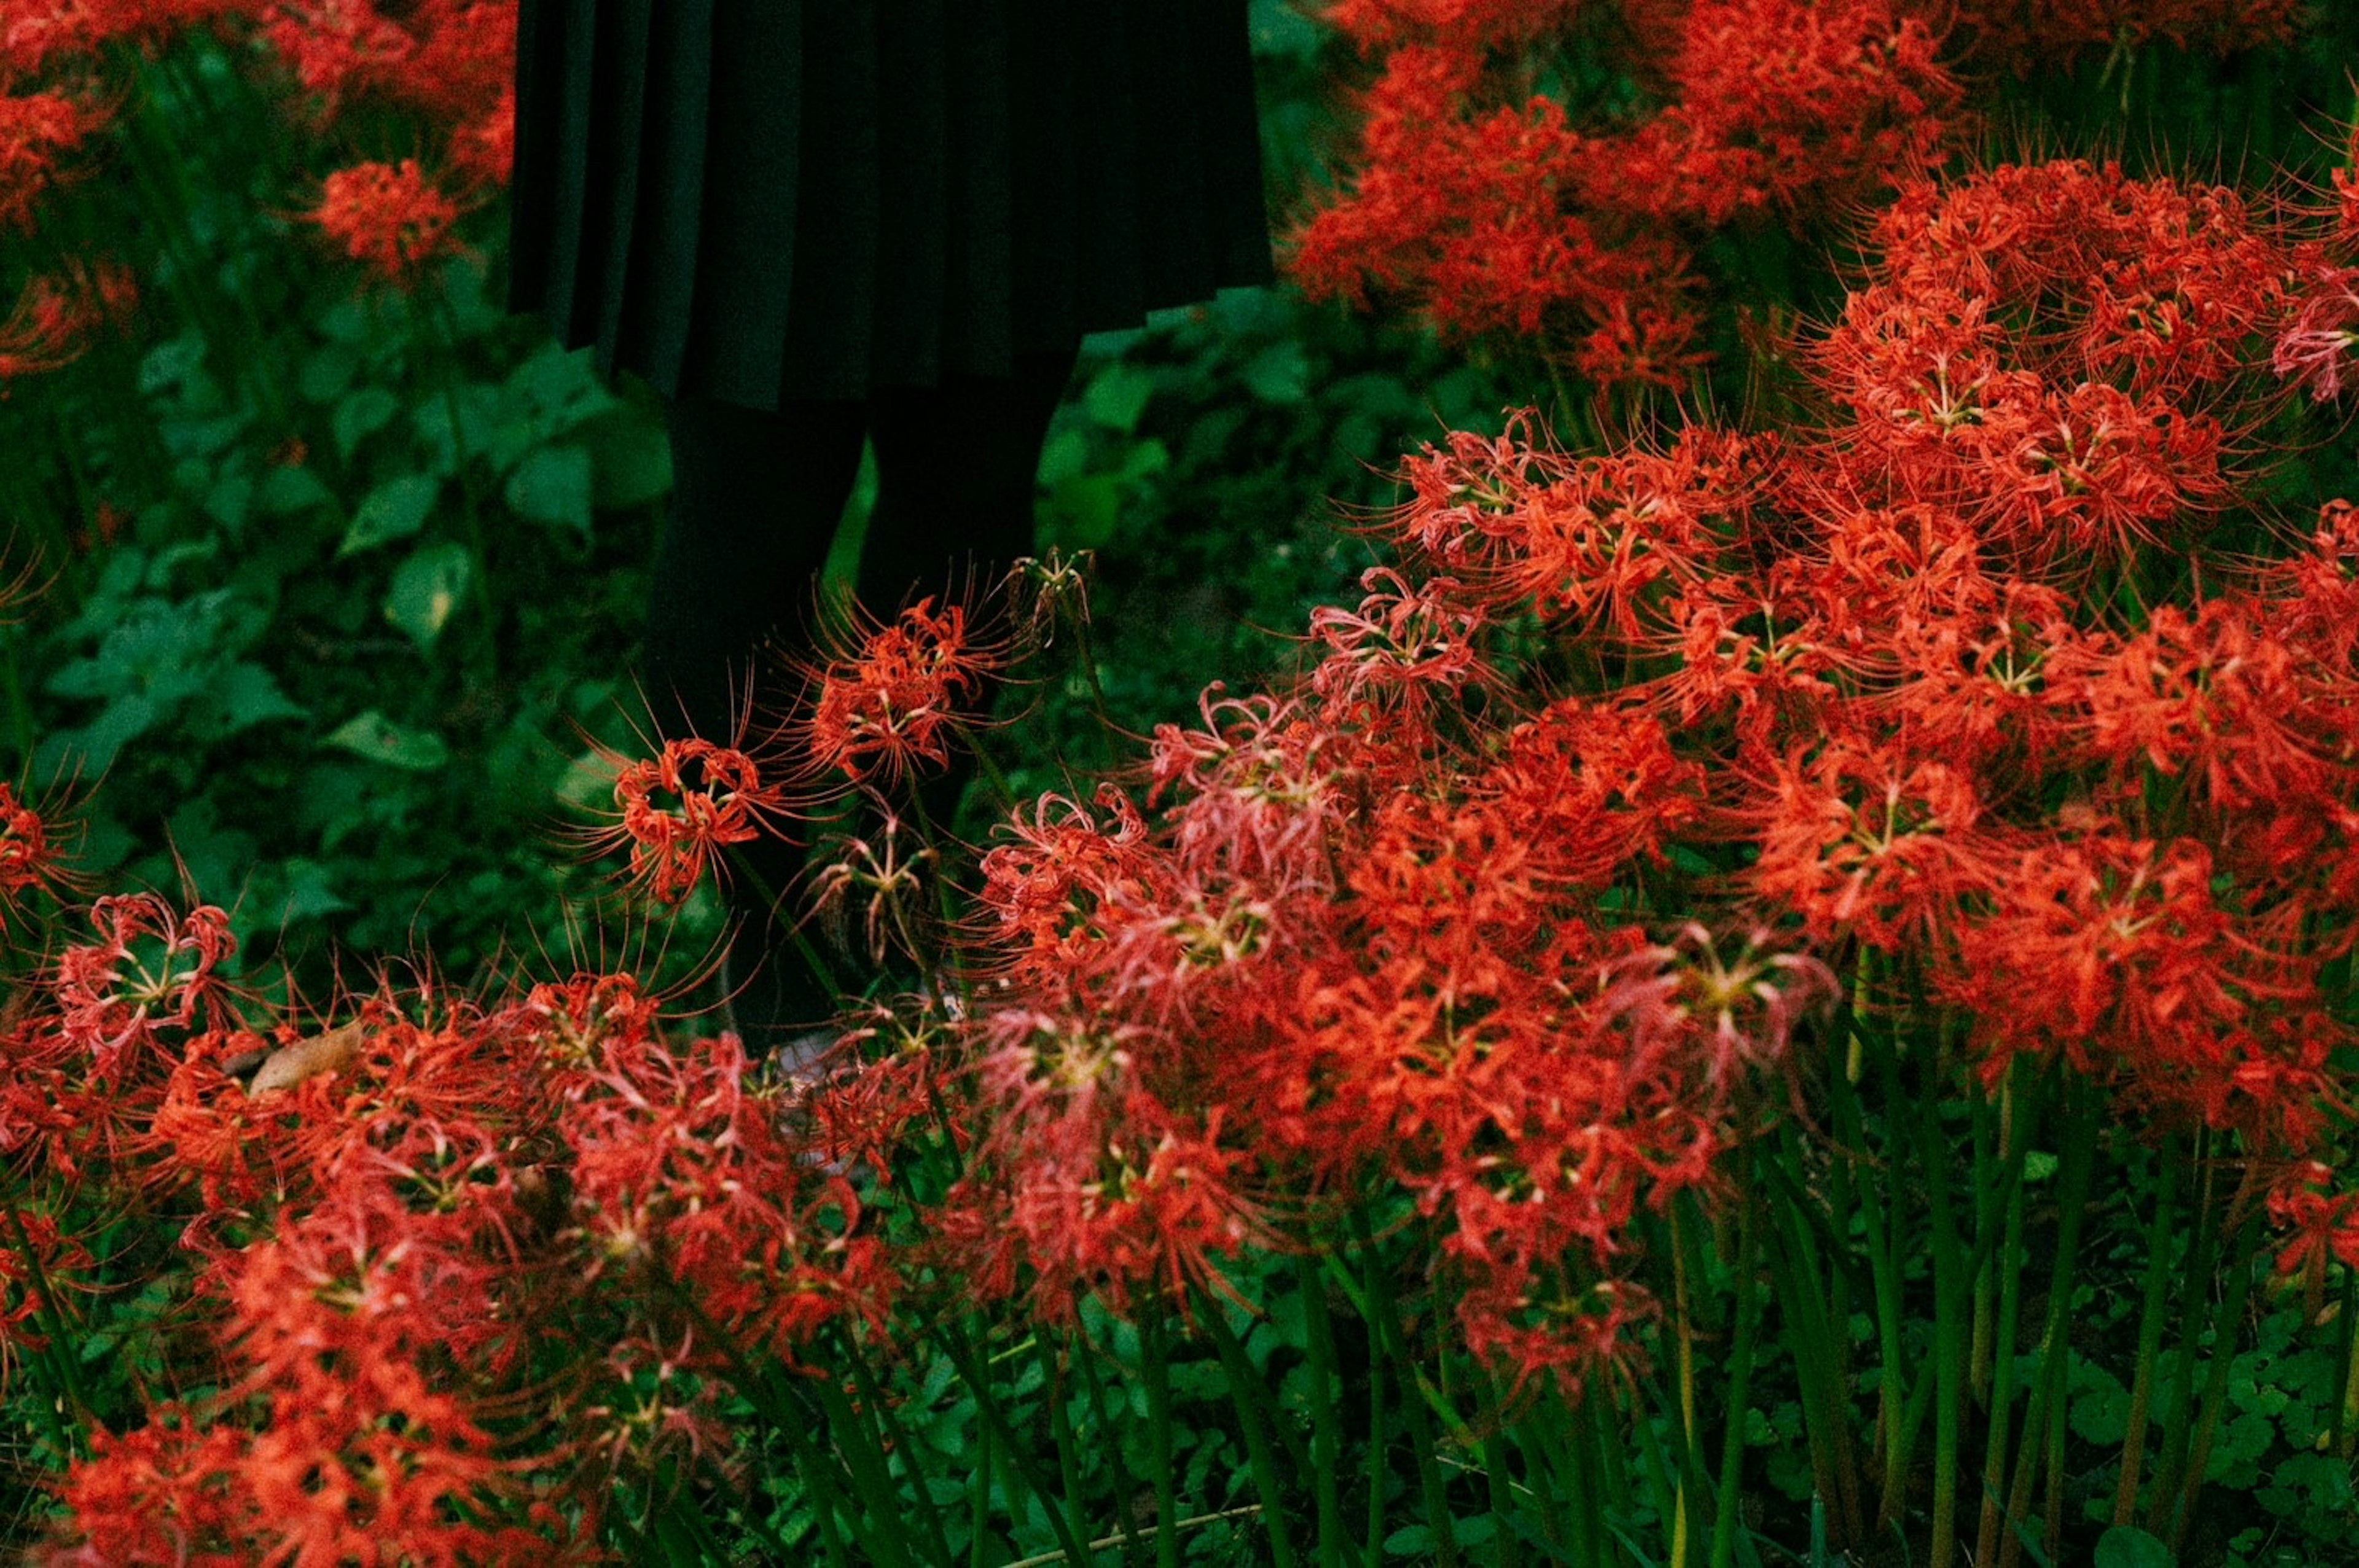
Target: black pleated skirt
762	199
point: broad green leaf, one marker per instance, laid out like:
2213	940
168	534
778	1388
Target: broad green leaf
2127	1546
360	415
249	694
327	372
394	510
428	590
630	459
553	486
1117	396
380	739
285	490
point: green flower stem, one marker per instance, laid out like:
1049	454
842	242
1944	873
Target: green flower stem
880	1408
2150	1314
1051	1351
862	1451
978	1492
2044	1420
2246	1246
1379	1441
1662	1480
1131	1551
1554	1474
1810	1319
1952	1276
1739	1373
1249	1398
1157	1368
2194	1304
977	1378
68	1395
1414	1398
2345	1426
1326	1432
2000	1394
1505	1549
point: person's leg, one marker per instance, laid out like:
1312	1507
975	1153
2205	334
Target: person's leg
755	499
956	470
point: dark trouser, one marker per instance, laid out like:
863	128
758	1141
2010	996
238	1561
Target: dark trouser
756	499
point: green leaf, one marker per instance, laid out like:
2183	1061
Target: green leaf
249	694
428	590
394	510
630	461
327	372
553	486
2127	1546
481	408
285	490
1117	396
380	739
360	415
1280	373
1409	1541
309	892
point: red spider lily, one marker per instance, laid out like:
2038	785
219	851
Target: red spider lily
337	46
54	317
1043	886
28	1283
1400	645
31	863
2216	697
2324	1220
2021	34
2317	348
151	969
389	217
36	33
891	706
888	875
1789	107
682	809
1871	841
452	60
36	130
1087	1177
680	1173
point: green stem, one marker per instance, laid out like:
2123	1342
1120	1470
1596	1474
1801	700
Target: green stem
1740	1379
1152	1355
1248	1397
1061	1427
2150	1314
1326	1432
1413	1399
977	1378
2077	1127
2215	1388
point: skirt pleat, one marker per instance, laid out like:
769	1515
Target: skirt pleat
758	201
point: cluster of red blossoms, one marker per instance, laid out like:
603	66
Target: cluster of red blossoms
68	67
1527	220
456	1272
1990	687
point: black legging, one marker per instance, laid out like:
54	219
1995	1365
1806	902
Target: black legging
756	499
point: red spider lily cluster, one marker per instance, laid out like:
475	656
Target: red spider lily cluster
1504	215
1970	691
1547	221
68	67
396	1229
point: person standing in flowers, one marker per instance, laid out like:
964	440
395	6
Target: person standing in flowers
814	225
